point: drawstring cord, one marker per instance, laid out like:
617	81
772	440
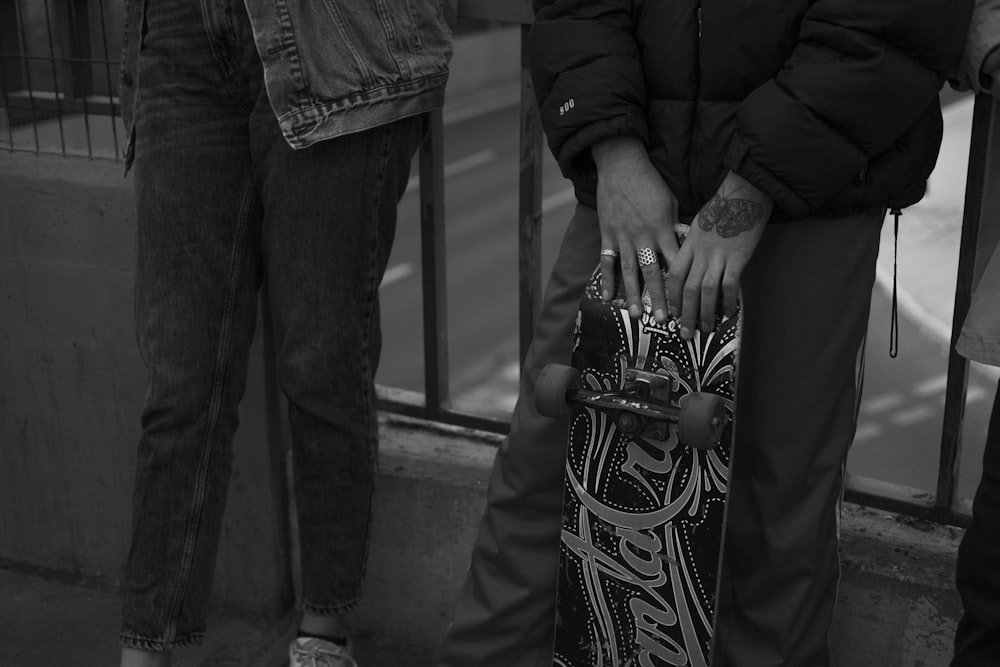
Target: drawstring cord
894	324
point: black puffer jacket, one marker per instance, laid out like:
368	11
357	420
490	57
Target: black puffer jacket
829	106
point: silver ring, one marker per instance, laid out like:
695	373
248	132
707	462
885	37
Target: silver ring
608	252
646	257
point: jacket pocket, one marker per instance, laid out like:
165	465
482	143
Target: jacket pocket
424	36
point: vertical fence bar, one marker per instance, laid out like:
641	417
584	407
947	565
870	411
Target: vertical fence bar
19	12
78	57
11	78
529	254
74	31
958	366
55	76
111	81
435	285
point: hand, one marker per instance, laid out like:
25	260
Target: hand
636	211
723	236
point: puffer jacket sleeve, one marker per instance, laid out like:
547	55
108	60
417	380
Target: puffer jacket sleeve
862	75
588	79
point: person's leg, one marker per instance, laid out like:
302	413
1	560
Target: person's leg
977	640
505	613
196	280
807	293
330	218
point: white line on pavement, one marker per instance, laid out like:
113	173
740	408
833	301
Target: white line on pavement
467	163
930	386
915	414
396	273
881	403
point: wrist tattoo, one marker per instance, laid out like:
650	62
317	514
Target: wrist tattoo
730	216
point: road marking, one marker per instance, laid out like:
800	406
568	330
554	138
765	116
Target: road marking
396	273
934	385
882	403
867	432
976	394
915	414
467	163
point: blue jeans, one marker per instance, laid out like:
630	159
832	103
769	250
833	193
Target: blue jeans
224	206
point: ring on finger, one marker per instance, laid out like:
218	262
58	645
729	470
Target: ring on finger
608	252
646	257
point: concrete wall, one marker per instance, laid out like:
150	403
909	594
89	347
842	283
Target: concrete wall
72	384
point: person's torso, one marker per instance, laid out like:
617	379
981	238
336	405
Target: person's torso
702	58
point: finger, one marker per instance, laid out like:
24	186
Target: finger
730	290
679	268
609	258
710	296
692	301
650	267
630	278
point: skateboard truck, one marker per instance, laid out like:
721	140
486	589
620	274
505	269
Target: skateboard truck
644	405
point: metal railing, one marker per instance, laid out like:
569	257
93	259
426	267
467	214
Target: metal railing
67	55
59	76
981	202
436	402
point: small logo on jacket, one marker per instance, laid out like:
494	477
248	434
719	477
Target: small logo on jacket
567	106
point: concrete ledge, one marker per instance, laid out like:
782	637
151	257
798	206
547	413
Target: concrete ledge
897	604
897	607
431	494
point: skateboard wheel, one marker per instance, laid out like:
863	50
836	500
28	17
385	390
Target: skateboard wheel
703	416
551	389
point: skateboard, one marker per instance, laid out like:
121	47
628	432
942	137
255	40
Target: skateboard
651	422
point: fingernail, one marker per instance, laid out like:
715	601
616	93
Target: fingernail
606	295
634	312
660	315
685	333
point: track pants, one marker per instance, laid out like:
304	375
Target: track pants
807	293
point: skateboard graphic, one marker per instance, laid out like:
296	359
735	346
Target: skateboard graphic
644	495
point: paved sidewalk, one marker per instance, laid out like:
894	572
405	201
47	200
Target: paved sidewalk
45	622
56	622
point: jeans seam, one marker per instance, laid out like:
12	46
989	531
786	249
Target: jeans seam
215	407
332	610
146	644
369	399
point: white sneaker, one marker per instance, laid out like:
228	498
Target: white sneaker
314	652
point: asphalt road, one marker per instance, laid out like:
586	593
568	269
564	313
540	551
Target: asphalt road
900	425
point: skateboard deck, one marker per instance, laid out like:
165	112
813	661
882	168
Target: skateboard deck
647	467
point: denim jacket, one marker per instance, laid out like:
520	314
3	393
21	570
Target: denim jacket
333	67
